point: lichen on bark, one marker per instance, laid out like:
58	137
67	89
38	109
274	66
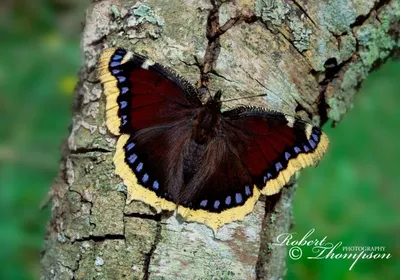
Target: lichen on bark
308	61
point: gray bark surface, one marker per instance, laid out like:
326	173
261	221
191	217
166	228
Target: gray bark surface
308	56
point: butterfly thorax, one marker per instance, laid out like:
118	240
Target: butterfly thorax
207	121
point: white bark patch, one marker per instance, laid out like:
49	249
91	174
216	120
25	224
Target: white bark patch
103	129
76	125
99	261
91	93
70	172
92	109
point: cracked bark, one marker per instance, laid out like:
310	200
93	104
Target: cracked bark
305	58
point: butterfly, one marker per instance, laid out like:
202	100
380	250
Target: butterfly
176	153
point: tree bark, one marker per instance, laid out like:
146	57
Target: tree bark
309	57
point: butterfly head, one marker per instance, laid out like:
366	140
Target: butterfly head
214	102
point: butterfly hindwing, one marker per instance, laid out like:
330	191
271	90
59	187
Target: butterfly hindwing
149	163
221	191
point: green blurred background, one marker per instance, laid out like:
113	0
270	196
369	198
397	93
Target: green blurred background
352	197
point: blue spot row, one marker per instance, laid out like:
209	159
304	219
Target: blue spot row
303	148
267	177
124	120
124	90
117	57
130	146
114	64
236	199
145	178
278	166
115	71
312	143
132	159
247	190
122	82
121	79
139	167
123	104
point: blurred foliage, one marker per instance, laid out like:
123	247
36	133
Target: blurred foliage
351	197
39	61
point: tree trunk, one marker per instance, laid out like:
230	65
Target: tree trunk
309	57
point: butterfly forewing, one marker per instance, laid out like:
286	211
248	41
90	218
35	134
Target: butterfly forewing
141	93
276	145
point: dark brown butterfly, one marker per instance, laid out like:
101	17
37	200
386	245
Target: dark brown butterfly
174	152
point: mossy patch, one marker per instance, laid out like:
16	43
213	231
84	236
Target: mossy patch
375	43
143	13
337	16
301	34
272	12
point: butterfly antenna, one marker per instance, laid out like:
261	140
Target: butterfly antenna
259	95
279	97
244	97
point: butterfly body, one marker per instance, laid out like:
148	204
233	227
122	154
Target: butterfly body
207	122
174	152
